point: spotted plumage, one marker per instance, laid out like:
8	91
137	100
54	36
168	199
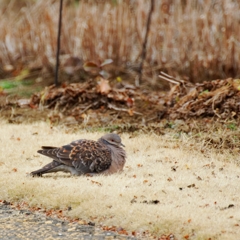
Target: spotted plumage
85	156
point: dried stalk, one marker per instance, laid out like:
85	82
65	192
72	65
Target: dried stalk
144	46
58	43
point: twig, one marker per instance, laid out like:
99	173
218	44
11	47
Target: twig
111	106
89	106
171	79
152	118
58	43
143	55
213	104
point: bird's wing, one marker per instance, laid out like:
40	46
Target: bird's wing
91	156
60	154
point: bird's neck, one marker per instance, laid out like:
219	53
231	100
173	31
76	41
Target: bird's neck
118	156
118	153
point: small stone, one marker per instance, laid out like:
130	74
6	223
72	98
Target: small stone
71	229
48	222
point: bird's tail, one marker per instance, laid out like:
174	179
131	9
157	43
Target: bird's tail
50	167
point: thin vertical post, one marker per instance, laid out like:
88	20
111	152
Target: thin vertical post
144	46
58	43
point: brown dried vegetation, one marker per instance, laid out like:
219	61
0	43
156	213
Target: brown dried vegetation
218	98
196	39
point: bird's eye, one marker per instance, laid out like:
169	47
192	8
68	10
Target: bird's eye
112	140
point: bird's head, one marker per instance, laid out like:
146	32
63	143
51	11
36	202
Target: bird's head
112	139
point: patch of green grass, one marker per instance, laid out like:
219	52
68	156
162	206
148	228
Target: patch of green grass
22	88
111	128
10	84
7	84
232	126
170	125
28	82
204	92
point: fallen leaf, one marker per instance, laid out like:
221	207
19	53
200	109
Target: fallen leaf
103	86
130	102
23	102
91	67
95	182
130	111
106	62
8	68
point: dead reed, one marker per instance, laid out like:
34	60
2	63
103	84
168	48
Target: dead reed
196	39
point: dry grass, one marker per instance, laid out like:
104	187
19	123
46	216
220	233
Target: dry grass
198	39
158	168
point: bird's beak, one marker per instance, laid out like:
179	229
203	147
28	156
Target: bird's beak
122	145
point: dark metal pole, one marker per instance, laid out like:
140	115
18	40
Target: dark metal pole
58	43
144	47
